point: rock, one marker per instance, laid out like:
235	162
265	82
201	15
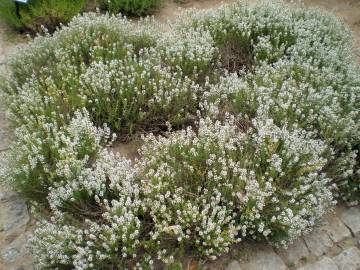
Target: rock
324	264
15	215
294	253
4	196
7	195
357	51
4	135
233	265
10	254
16	254
348	259
351	218
337	230
19	208
264	259
2	59
318	242
7	227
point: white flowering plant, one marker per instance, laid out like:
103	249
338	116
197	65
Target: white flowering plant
212	187
249	124
116	62
97	220
45	154
303	75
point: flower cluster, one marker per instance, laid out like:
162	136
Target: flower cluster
45	154
143	93
244	178
87	45
96	219
303	75
186	179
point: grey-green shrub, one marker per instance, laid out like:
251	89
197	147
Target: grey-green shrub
251	142
46	155
116	59
303	75
211	188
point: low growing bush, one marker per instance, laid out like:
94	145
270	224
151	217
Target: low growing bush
303	74
211	188
206	190
38	13
131	7
107	220
46	155
249	117
114	61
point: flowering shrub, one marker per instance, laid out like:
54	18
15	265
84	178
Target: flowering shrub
45	155
144	94
107	219
300	77
211	187
250	122
114	61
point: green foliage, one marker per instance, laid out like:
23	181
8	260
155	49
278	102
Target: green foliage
131	7
38	13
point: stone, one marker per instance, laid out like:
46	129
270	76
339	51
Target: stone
233	265
337	230
4	134
19	208
10	254
263	259
294	253
318	242
7	195
2	59
324	264
351	218
7	227
348	259
15	215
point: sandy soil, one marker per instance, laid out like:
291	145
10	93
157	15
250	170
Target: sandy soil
172	7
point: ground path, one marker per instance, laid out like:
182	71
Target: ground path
333	246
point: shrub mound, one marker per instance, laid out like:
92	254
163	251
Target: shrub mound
131	7
249	119
36	14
